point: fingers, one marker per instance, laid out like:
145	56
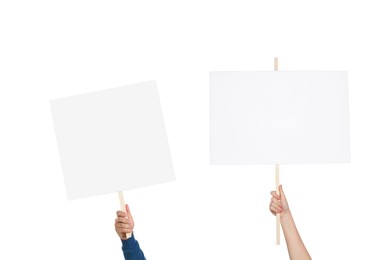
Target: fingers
119	225
123	220
275	195
123	225
122	233
276	202
125	230
121	213
275	205
275	209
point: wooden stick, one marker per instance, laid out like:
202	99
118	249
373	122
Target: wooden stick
276	68
123	207
276	63
277	215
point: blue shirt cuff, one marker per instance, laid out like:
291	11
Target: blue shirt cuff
129	243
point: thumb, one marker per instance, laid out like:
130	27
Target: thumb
282	196
128	210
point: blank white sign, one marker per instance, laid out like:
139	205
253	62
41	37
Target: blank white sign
277	117
112	140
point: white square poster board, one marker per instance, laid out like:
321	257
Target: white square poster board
279	117
112	140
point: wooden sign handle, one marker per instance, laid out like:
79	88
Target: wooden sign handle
123	207
276	64
276	68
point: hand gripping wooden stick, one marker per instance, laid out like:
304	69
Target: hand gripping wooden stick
123	207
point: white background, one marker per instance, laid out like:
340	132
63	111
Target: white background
52	49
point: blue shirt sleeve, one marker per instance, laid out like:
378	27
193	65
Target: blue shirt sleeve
131	249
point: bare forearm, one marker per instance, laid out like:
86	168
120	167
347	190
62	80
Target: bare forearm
295	246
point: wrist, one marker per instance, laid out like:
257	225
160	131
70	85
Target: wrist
285	215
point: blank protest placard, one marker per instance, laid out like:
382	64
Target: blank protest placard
112	140
279	117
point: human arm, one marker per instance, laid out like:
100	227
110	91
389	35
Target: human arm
295	245
124	223
131	249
